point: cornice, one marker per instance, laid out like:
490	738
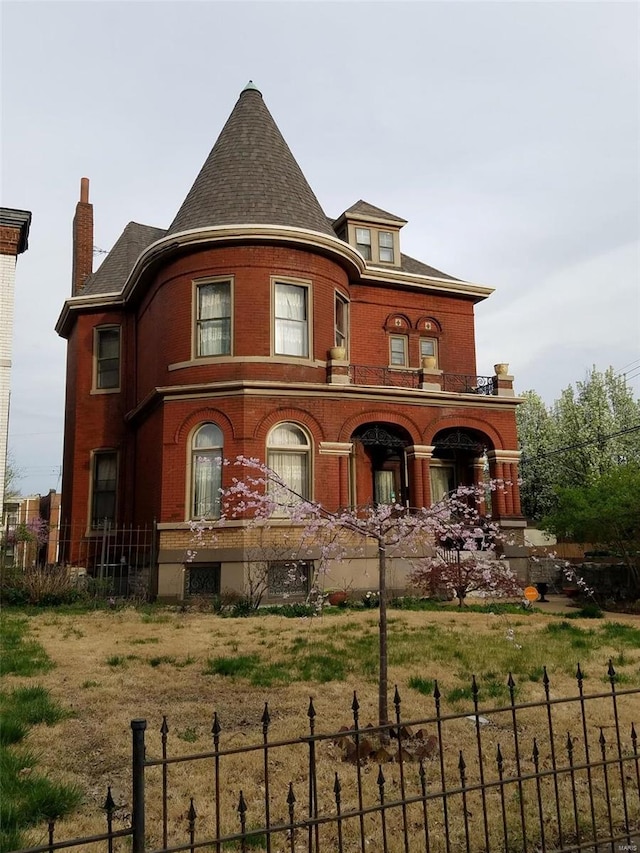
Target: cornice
326	244
301	390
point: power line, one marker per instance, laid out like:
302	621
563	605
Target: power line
581	444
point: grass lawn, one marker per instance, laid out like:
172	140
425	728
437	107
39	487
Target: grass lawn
112	666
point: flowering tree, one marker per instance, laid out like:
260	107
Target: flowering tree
461	576
259	497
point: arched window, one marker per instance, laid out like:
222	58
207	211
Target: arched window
289	455
206	470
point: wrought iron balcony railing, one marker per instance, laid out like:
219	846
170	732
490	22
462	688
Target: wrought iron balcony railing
456	383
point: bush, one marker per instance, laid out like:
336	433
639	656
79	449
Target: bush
38	585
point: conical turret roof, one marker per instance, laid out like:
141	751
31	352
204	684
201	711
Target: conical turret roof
250	177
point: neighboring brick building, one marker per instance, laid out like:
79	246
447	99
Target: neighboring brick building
255	325
14	239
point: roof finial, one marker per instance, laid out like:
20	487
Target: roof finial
251	87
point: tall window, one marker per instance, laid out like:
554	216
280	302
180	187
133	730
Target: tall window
428	347
291	319
342	321
363	242
107	357
103	488
206	471
398	350
213	319
385	246
289	456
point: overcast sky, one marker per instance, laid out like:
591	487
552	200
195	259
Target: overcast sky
506	133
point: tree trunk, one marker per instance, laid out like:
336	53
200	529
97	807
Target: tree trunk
383	715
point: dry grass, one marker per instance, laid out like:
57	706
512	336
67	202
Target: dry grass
111	667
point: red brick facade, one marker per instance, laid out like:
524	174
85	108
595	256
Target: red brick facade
166	391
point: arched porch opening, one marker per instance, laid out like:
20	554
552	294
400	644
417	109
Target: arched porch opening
379	465
458	459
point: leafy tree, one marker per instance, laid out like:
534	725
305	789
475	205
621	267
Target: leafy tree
589	430
605	513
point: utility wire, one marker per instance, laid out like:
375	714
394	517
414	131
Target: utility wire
581	444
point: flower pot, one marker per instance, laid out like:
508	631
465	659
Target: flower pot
502	368
429	362
337	597
337	353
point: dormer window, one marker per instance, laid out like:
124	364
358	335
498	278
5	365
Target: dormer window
363	242
385	246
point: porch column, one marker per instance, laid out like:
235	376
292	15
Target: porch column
341	450
478	482
503	465
418	456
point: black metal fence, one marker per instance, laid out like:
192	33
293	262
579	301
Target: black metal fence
555	774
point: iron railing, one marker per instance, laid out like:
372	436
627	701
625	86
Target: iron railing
457	383
555	774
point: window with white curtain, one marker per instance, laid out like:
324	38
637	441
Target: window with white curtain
213	318
342	321
289	456
206	471
291	319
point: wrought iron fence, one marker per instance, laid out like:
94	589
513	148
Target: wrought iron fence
117	560
555	774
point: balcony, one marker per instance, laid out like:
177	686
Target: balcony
456	383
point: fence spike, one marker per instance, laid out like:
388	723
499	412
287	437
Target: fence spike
381	780
461	765
579	675
536	752
474	688
436	691
265	719
242	806
311	711
192	814
355	705
611	671
511	684
216	728
396	699
602	740
109	804
634	737
545	680
422	773
499	759
569	745
164	728
291	797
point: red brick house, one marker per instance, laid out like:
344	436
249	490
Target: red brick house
256	325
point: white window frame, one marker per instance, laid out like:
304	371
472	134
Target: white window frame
98	334
294	450
405	351
386	247
433	342
198	323
364	246
306	324
341	336
95	520
213	454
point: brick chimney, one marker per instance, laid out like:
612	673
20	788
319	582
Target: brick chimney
82	240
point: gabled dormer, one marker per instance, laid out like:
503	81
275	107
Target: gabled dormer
375	233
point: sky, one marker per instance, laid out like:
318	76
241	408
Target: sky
506	133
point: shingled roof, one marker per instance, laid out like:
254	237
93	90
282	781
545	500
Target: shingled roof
250	176
114	270
363	208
